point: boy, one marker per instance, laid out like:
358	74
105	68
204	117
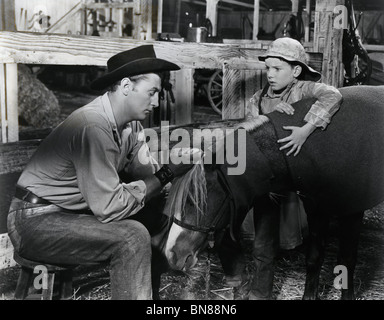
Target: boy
290	79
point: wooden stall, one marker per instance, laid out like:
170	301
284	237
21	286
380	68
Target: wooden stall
243	74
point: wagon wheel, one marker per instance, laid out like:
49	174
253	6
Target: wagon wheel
215	91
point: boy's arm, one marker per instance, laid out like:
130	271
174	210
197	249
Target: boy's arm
327	104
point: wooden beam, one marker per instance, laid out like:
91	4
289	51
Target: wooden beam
75	9
7	15
3	106
239	3
256	15
32	48
12	102
328	40
307	30
113	5
184	93
178	13
160	16
233	93
9	102
211	14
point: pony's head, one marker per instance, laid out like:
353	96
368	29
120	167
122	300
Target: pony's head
193	201
200	205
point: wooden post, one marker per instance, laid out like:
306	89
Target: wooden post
182	110
160	16
136	20
211	14
7	15
3	106
9	103
233	93
328	40
146	18
295	7
256	14
307	30
178	13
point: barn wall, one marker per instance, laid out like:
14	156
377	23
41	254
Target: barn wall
25	10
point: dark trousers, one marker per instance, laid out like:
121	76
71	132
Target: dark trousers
265	249
50	234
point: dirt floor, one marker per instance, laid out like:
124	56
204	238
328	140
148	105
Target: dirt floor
206	280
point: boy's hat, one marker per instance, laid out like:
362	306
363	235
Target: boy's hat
139	60
291	50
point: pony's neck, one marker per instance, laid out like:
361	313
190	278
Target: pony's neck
265	138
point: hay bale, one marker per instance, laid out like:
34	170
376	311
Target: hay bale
38	106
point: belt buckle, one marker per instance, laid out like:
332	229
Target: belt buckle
34	200
25	196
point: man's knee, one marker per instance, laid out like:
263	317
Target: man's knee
134	237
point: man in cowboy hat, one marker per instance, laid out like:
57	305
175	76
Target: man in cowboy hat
71	205
290	79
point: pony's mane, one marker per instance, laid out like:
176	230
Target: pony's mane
190	186
252	123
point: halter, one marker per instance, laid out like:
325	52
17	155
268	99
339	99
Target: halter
211	230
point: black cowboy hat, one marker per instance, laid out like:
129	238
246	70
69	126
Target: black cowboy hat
132	62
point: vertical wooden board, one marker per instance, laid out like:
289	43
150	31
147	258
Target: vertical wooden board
256	15
159	16
254	81
3	105
233	93
7	15
11	101
211	14
183	91
328	40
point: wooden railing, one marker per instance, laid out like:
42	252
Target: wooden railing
243	73
48	49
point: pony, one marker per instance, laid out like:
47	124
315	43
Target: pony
339	171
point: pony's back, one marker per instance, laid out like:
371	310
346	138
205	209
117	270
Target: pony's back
343	165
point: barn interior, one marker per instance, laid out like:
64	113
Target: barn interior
51	51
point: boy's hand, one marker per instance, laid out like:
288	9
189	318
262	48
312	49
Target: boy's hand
297	138
284	107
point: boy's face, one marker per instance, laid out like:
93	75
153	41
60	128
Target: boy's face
280	73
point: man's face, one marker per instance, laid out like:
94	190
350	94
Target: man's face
279	73
144	96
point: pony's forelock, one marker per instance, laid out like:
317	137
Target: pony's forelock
190	186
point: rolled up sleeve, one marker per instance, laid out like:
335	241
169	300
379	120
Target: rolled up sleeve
327	104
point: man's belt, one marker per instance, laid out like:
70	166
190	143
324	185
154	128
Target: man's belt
26	195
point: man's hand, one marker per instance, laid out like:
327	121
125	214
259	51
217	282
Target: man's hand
297	138
284	107
185	155
180	169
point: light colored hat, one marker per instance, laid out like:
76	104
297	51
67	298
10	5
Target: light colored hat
291	50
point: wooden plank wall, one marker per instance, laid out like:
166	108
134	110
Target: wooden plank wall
7	13
25	9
